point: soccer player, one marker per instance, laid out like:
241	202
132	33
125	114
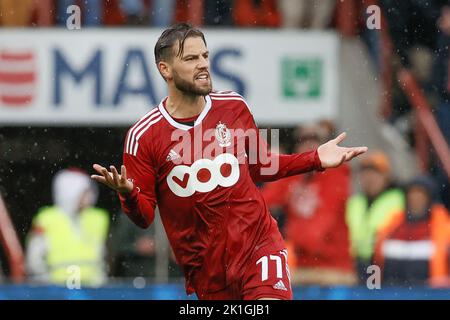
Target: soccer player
220	229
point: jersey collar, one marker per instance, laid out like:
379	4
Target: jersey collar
181	126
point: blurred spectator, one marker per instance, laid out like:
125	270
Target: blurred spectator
413	247
112	14
256	13
191	11
134	11
45	11
411	24
134	251
441	86
70	233
218	13
16	13
369	209
413	31
157	13
92	12
315	228
163	12
313	14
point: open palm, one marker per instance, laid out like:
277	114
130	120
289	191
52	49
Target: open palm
113	179
331	155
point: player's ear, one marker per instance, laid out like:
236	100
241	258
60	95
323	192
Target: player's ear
165	70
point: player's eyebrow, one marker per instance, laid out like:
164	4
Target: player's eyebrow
194	55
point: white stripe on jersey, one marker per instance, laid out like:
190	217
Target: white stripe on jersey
135	129
228	98
136	146
222	94
131	130
234	98
225	96
284	253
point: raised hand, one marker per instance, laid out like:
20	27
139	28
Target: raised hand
113	179
331	155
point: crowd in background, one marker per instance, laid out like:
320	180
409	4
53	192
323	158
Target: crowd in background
420	43
161	13
333	233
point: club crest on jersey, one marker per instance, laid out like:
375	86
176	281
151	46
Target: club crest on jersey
223	135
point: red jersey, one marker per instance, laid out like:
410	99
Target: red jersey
213	213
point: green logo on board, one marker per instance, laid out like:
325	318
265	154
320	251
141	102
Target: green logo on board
302	78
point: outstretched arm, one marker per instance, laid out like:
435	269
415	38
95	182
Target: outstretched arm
271	166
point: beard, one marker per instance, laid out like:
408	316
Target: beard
190	88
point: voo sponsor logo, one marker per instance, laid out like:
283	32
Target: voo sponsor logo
184	180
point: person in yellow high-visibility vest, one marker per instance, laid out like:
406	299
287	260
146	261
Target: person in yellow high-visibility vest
370	208
66	244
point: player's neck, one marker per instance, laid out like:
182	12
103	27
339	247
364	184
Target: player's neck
180	105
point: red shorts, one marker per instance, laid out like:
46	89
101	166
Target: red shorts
266	276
